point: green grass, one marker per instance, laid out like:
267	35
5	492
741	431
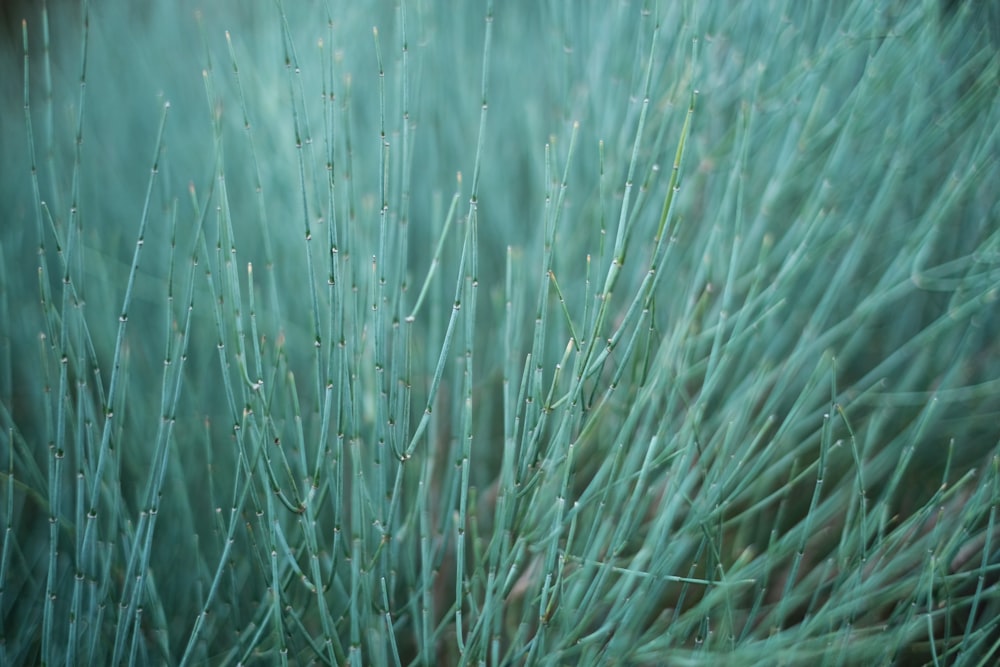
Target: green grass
515	333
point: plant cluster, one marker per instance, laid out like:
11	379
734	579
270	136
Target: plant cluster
634	332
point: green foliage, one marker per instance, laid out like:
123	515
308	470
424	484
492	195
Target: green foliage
536	333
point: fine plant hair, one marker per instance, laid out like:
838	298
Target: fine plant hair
573	333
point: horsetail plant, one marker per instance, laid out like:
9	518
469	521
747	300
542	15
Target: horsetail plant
428	333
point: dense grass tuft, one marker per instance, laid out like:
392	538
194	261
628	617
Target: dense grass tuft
526	333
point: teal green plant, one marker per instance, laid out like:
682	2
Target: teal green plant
526	333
